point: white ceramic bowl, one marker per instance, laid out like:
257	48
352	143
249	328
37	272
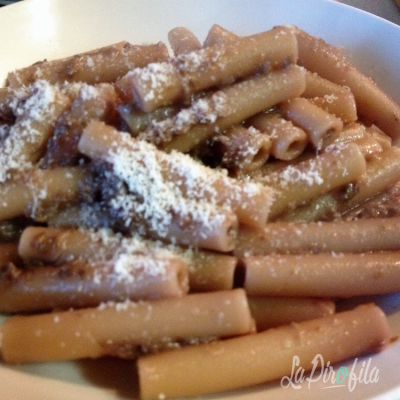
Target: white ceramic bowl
47	29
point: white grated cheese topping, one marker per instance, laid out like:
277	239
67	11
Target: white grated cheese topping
70	89
120	245
202	111
293	174
37	107
134	258
330	98
163	185
153	77
310	176
197	61
88	92
131	268
90	62
119	306
17	96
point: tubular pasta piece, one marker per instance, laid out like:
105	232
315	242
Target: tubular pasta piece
270	312
316	86
243	148
322	275
341	105
83	215
369	146
207	227
91	103
266	356
384	140
333	98
35	122
287	141
165	83
38	193
249	201
211	271
183	41
382	172
320	208
87	284
139	121
105	64
241	101
275	166
58	246
372	103
217	34
207	270
15	198
120	327
370	234
349	133
316	122
298	184
383	205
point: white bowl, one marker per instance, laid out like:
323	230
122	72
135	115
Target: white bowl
49	29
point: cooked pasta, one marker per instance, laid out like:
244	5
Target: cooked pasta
183	41
163	83
287	140
265	356
372	103
315	121
199	208
115	328
102	65
326	275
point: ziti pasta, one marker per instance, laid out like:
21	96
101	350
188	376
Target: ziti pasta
199	210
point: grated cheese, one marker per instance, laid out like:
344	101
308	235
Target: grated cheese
36	108
157	199
202	111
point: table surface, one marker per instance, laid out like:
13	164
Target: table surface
386	9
